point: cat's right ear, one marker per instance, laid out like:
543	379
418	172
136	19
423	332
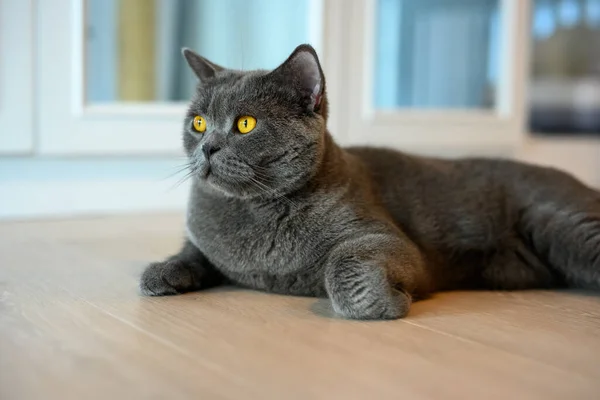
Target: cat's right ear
203	68
303	70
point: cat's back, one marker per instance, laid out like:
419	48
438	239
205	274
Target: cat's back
444	203
411	172
461	181
470	202
403	171
386	161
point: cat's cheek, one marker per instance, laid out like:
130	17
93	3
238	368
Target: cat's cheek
190	142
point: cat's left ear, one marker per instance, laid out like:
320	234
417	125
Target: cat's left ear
203	68
303	70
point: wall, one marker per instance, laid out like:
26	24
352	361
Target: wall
53	187
580	157
66	187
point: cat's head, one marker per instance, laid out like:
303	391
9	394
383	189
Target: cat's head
256	133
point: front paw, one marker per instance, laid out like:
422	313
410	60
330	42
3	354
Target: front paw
371	306
169	278
362	291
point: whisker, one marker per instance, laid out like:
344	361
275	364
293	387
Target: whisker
260	172
259	167
264	188
182	180
267	179
181	168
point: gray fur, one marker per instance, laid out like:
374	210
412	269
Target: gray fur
284	209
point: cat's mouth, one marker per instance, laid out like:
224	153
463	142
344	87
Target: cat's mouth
230	179
206	172
224	186
228	185
216	180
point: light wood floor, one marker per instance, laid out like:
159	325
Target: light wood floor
72	326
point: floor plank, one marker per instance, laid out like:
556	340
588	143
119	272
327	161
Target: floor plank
73	325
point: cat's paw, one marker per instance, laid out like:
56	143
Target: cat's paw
361	290
372	306
168	278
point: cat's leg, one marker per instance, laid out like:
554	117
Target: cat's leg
564	228
373	276
516	267
183	272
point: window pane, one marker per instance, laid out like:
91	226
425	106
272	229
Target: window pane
133	47
436	53
565	76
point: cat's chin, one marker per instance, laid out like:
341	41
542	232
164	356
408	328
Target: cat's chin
223	187
236	190
216	185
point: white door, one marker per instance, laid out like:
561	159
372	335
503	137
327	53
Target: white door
435	75
17	115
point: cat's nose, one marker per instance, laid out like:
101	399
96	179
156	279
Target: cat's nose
209	149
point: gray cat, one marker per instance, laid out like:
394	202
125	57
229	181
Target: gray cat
276	205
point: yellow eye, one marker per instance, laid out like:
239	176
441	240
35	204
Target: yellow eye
246	124
199	123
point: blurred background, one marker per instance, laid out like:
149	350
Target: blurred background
92	92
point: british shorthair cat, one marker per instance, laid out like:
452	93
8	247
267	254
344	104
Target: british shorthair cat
277	205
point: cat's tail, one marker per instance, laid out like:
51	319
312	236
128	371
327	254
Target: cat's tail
560	220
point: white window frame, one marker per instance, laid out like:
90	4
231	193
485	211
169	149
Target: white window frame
350	26
70	126
16	77
342	31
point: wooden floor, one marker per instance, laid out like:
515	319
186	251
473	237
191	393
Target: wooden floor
72	326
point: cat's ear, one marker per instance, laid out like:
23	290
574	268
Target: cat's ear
303	70
203	68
